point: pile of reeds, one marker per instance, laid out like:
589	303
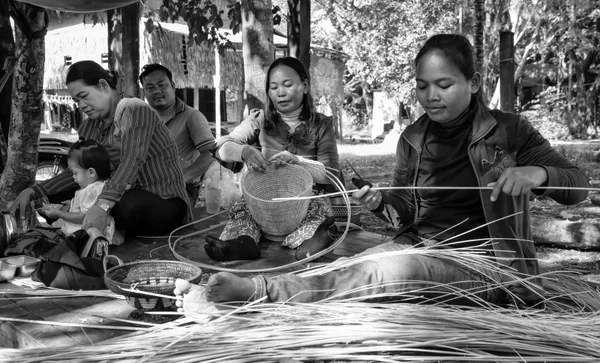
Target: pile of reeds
563	327
350	331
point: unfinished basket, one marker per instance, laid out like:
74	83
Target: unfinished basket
277	219
156	276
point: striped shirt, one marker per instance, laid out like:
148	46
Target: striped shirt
142	154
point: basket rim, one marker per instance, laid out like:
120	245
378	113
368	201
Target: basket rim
276	201
149	262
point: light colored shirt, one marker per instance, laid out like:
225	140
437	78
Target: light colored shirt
191	132
82	201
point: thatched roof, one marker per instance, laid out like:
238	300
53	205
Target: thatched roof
166	48
80	42
80	6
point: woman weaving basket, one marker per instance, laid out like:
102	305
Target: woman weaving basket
288	131
475	168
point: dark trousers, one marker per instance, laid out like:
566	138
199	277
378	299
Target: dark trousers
141	213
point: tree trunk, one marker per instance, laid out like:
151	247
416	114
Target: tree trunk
27	112
299	31
479	12
257	50
7	49
507	71
124	46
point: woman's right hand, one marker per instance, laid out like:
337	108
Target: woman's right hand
367	197
21	203
254	159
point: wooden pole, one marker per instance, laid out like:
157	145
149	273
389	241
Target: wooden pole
299	31
507	71
217	82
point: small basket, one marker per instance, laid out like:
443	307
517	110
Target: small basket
156	276
277	219
340	213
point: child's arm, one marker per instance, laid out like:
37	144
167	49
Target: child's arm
72	217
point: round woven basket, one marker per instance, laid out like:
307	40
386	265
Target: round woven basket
277	219
157	276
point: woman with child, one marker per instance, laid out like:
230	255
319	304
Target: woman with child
146	193
456	150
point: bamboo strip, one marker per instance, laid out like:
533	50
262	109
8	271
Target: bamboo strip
424	188
58	323
142	292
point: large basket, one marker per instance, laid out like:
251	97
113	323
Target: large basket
156	276
277	219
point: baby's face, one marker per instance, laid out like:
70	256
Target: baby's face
83	177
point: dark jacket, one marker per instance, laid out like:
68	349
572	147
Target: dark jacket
499	140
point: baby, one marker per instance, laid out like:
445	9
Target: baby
90	163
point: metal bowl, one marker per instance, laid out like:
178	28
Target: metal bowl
8	230
11	227
7	271
24	265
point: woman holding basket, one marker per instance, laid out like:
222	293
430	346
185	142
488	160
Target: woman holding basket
288	131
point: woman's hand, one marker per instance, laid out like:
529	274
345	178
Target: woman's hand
254	159
283	158
52	212
95	217
21	203
518	181
367	197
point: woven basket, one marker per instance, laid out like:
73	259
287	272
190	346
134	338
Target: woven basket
157	276
277	219
340	213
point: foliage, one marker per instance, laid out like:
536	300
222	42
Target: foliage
380	38
203	18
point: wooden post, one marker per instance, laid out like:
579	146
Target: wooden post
299	31
507	71
217	82
196	98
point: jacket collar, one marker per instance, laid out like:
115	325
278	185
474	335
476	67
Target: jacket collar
483	122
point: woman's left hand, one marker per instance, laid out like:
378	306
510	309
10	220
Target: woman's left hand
95	217
518	181
284	157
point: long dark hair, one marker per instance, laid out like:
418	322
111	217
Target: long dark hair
91	73
457	49
308	104
91	154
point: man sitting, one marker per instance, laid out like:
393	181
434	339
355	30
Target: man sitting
188	126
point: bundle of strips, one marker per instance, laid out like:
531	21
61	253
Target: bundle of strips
562	328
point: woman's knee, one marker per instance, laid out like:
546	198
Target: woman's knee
397	268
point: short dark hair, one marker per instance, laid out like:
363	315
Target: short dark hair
308	104
91	154
153	67
91	73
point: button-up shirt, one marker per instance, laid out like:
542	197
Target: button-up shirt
142	154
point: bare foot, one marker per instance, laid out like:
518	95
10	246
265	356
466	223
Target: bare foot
224	286
194	297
